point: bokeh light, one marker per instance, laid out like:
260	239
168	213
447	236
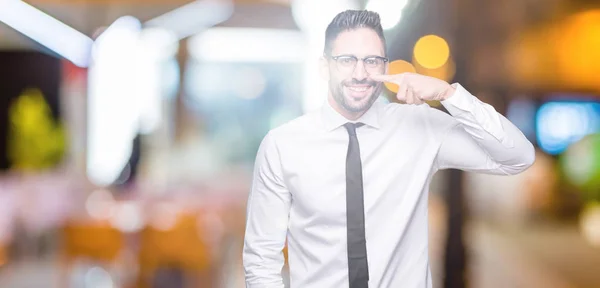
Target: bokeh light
389	11
100	204
431	51
313	16
164	124
577	49
559	124
164	216
127	217
581	165
98	277
445	72
589	223
569	63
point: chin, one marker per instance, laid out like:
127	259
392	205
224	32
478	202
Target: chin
357	105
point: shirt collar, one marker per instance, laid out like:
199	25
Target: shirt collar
332	119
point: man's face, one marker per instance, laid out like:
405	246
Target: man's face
349	82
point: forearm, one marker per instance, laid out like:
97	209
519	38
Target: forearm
264	241
263	263
267	218
501	140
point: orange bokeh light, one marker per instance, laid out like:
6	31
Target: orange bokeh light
431	51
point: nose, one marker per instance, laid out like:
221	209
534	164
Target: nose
359	72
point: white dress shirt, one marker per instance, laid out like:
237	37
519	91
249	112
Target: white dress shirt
298	192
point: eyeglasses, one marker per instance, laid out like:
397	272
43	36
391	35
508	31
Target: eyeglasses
347	63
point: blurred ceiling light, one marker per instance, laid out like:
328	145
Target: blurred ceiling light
431	51
155	47
248	45
124	30
390	11
49	32
313	16
194	17
125	93
158	43
113	105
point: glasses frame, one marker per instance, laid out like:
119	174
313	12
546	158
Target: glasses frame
335	58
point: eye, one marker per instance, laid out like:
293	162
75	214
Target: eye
346	60
372	61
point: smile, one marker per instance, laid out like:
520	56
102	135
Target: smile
358	88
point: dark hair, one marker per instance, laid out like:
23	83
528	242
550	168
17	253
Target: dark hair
352	20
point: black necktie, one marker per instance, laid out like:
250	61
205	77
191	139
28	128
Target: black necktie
358	270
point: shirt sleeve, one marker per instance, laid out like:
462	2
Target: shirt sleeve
482	140
266	220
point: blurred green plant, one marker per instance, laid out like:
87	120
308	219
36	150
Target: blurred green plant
35	140
581	166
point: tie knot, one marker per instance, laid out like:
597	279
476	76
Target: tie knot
351	127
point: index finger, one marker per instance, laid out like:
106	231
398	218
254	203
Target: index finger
396	79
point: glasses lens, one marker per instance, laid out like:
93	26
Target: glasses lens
374	65
346	64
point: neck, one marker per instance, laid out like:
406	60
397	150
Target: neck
347	114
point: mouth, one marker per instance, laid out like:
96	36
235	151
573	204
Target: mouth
358	88
358	92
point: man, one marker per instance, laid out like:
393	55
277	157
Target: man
347	185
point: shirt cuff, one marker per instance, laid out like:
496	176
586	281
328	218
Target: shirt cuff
459	102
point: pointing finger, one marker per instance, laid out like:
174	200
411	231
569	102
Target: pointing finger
402	94
396	79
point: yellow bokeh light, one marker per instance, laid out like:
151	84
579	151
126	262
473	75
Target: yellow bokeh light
431	51
397	67
577	50
571	62
445	72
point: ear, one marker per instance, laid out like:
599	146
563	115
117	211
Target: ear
324	69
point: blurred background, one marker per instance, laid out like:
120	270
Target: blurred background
128	131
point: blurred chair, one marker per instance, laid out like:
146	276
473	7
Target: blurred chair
179	247
94	240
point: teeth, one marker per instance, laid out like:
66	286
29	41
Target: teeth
358	89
